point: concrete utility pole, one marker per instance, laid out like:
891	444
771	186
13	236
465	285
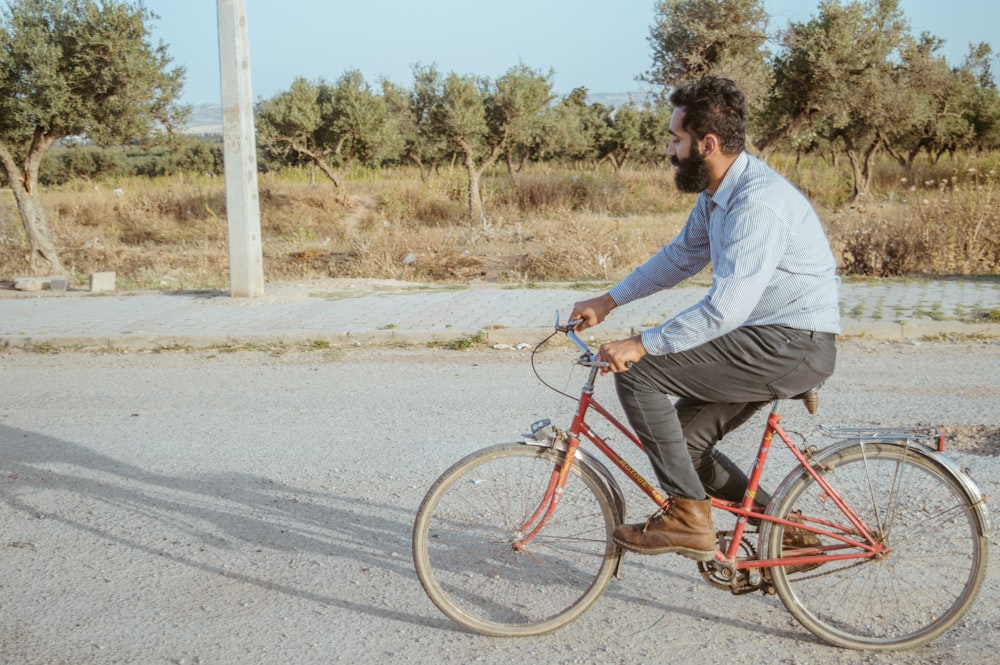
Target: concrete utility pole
246	260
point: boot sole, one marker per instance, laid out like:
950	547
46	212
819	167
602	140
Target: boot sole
697	555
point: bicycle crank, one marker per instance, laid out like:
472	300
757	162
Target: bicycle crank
721	576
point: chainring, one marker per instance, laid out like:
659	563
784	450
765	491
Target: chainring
721	577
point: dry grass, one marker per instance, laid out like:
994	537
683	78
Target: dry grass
940	227
544	224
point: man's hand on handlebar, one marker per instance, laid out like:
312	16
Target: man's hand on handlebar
620	355
591	312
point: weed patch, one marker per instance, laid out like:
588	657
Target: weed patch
543	224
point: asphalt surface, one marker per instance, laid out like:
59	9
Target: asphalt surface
368	312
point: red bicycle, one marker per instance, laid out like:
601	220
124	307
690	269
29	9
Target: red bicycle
515	539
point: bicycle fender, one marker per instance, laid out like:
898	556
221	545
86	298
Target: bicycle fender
944	464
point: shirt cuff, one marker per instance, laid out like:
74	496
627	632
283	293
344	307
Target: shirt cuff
620	294
653	341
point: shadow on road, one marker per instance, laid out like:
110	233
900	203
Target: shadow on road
253	530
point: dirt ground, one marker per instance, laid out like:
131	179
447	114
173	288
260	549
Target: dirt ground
210	507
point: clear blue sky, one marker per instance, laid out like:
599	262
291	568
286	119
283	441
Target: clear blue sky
598	45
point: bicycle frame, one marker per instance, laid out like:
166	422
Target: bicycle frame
855	534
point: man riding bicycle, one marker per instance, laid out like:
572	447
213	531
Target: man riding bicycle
766	328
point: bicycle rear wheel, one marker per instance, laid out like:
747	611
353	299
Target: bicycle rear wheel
466	526
934	566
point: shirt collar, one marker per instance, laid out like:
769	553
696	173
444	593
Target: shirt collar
728	184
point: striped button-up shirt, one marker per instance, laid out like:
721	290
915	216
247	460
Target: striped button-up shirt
771	263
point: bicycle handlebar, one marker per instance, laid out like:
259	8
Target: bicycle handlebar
588	358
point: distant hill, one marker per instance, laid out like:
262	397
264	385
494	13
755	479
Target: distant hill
207	118
617	99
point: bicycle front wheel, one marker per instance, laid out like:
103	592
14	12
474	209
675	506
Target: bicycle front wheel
935	558
466	527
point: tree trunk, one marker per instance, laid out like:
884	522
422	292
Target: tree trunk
509	161
475	196
26	194
334	177
424	169
475	174
859	186
861	167
617	162
316	160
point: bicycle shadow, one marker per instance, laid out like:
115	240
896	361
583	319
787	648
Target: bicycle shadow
665	566
698	610
206	522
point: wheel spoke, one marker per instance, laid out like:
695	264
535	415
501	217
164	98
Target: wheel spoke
927	576
468	524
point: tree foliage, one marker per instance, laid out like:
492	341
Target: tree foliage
854	79
75	68
837	82
981	107
482	120
328	126
691	39
849	81
420	140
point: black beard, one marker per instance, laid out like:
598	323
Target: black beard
692	174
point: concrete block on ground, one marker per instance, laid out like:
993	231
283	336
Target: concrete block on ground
40	283
29	283
59	284
102	281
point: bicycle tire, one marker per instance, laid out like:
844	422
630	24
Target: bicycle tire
937	558
466	525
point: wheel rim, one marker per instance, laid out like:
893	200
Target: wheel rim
928	577
464	536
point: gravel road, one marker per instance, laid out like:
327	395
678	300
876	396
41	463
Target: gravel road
250	507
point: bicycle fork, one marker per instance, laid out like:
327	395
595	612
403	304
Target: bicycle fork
550	500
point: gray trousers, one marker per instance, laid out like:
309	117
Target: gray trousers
719	385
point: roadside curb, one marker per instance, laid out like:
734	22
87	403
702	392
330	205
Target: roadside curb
344	313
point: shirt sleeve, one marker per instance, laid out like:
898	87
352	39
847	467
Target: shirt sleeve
684	257
747	245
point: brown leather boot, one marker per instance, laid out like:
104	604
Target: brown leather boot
795	538
685	527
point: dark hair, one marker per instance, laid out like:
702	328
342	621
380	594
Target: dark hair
714	105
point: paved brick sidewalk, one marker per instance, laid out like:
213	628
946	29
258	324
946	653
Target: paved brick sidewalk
368	312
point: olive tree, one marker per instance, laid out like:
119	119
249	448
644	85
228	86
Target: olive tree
422	142
75	68
328	126
981	99
836	82
691	39
935	118
622	136
481	119
563	134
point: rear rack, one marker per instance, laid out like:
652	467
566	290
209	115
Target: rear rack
887	433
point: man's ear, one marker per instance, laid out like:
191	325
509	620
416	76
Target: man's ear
709	145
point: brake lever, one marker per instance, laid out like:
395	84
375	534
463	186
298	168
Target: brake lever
570	325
